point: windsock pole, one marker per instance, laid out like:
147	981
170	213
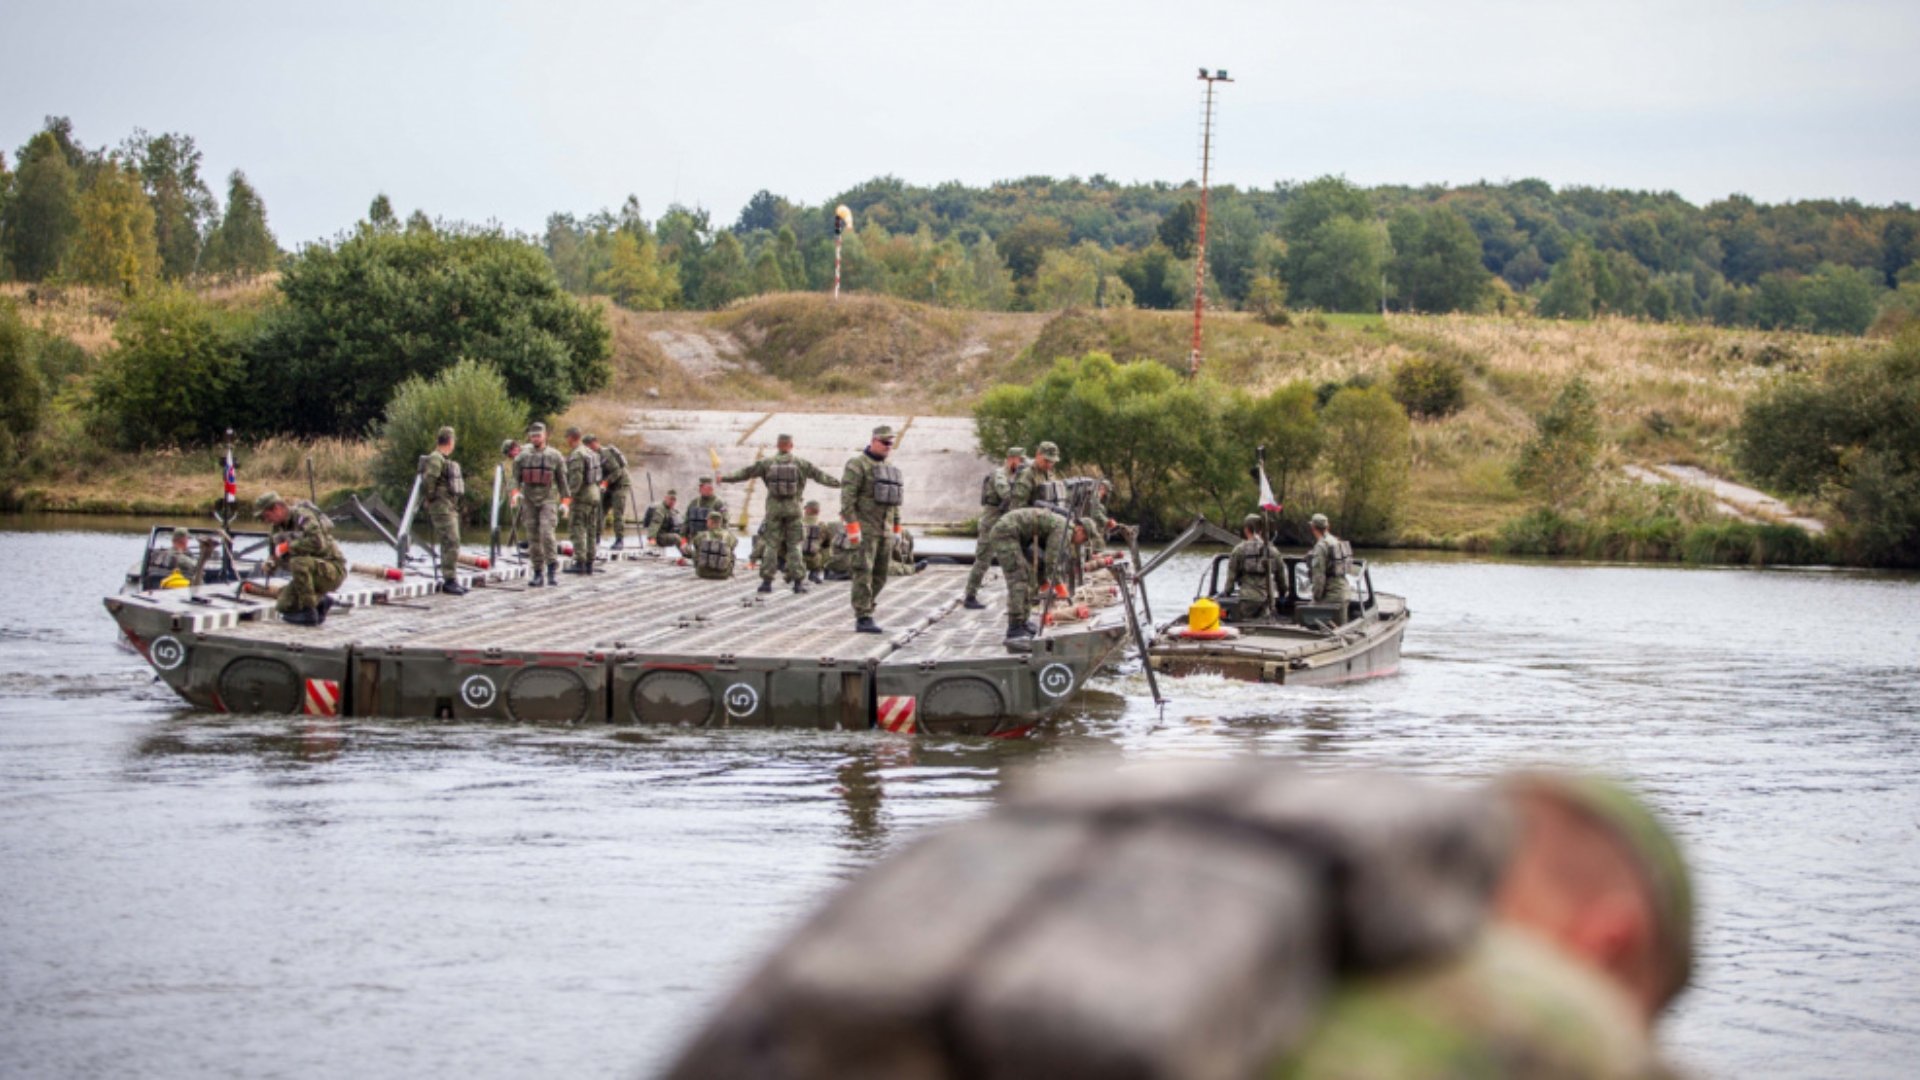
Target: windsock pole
842	221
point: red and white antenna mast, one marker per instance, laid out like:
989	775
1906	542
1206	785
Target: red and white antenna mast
1200	241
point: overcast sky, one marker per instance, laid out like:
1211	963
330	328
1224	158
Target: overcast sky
508	110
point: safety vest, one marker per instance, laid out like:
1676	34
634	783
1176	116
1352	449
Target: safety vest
696	519
889	487
1342	559
811	543
536	469
783	480
712	552
989	497
1253	563
613	464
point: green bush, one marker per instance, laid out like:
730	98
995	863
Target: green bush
469	397
1430	386
174	374
1556	465
1368	455
23	392
381	306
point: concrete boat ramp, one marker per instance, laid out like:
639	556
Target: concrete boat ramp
938	454
642	642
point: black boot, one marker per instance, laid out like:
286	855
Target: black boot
534	581
1017	631
326	605
618	543
766	585
972	603
309	617
799	585
452	587
865	625
553	573
815	577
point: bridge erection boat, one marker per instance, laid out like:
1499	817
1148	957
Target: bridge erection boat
640	641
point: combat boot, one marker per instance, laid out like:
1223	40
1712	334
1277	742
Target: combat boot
618	543
1017	631
972	603
815	576
326	605
533	580
309	617
865	625
553	572
766	585
799	585
452	587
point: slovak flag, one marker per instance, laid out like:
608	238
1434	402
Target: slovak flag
230	478
1267	502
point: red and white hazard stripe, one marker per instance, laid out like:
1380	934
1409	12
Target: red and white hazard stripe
897	714
322	698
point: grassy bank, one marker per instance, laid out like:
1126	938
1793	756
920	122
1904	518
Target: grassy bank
1666	393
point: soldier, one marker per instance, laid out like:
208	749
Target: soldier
1355	925
813	541
1036	482
616	488
703	504
1328	564
303	546
1056	535
837	552
996	497
583	479
712	550
1251	568
786	477
541	475
902	553
662	522
444	486
177	559
870	495
510	449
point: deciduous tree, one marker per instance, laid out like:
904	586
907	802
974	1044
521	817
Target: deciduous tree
114	242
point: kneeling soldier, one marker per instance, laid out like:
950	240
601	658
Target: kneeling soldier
662	522
302	546
712	550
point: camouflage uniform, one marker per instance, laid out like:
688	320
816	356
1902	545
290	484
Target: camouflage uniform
541	476
813	541
996	497
662	524
786	478
444	487
619	491
191	565
1329	563
902	553
699	508
1252	566
864	483
836	558
1009	541
314	564
713	556
583	477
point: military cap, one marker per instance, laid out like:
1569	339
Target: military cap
265	502
812	504
1048	450
1251	521
1318	521
783	437
672	494
1094	528
573	433
507	445
443	435
705	481
1656	856
590	438
1017	451
536	428
884	431
181	534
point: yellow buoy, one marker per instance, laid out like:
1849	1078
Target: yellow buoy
174	580
1203	616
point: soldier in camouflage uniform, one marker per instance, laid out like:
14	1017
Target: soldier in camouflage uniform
1278	923
1328	564
813	541
302	546
996	498
444	486
836	559
616	485
786	477
541	475
712	550
583	478
662	522
178	560
1251	569
703	504
871	492
902	553
1016	530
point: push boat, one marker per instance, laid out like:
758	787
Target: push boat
1296	642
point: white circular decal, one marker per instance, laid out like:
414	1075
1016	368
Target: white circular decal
741	699
477	691
1056	680
167	653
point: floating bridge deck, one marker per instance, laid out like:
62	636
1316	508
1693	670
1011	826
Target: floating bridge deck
640	641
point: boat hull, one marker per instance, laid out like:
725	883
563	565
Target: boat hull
1366	648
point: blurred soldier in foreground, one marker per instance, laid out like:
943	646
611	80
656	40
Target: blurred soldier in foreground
1251	569
871	492
444	488
616	485
541	475
996	498
1328	564
302	546
786	477
1240	920
583	479
177	559
712	550
662	522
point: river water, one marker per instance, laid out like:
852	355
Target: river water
187	894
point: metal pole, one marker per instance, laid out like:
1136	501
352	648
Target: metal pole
836	264
1200	242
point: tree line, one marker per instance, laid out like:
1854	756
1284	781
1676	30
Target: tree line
1038	243
124	216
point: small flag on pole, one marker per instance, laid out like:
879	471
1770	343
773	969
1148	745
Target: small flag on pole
1267	502
230	478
